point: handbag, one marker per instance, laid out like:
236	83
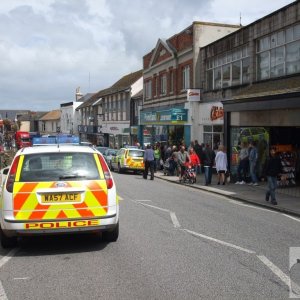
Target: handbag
227	176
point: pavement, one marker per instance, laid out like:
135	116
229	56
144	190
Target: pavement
288	198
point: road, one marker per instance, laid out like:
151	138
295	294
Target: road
175	243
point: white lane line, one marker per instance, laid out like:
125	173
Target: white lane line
2	292
172	214
143	200
174	220
21	278
6	258
280	274
156	207
220	242
295	219
120	198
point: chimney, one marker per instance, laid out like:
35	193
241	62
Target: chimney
78	94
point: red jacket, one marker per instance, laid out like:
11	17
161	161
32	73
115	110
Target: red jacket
195	161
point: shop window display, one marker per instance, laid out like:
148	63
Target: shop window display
288	161
247	135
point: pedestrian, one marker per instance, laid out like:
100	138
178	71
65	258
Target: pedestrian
199	151
243	164
253	158
149	162
221	164
156	158
175	157
183	158
272	169
195	161
208	162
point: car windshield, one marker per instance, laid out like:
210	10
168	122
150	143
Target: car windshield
59	166
136	153
111	152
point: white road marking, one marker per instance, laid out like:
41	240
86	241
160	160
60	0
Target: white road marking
219	241
280	274
6	258
174	220
2	292
295	219
21	278
156	207
143	200
172	214
120	198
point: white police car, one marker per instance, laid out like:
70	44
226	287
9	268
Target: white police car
58	188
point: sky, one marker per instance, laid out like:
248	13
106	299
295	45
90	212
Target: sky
48	48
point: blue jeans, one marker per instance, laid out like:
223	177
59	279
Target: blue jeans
272	185
208	174
242	170
252	169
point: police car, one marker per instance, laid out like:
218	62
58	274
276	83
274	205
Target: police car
58	188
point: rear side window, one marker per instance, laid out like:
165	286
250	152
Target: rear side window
59	166
136	153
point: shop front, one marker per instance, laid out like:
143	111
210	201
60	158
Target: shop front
272	122
116	135
212	123
166	126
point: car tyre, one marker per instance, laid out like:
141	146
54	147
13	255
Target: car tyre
112	235
110	166
119	168
8	242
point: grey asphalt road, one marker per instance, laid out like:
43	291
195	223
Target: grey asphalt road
175	243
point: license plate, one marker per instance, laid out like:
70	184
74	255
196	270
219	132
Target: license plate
60	197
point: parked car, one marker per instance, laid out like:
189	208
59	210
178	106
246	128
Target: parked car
52	190
108	154
101	149
128	159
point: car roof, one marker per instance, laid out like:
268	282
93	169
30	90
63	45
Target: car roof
57	149
135	149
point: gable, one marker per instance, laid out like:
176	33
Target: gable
162	52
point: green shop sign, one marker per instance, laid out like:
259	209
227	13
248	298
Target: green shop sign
170	116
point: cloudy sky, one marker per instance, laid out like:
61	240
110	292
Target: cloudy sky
50	47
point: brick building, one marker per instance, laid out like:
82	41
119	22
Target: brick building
172	82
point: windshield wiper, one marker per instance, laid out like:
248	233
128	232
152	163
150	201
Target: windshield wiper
71	176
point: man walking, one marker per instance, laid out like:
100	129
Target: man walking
272	169
208	162
253	157
149	162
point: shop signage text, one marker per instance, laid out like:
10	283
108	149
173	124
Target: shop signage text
172	116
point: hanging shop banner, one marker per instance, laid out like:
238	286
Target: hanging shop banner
193	95
170	116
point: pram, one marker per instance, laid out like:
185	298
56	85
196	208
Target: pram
169	167
189	175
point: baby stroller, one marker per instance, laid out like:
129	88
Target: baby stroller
189	175
169	167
